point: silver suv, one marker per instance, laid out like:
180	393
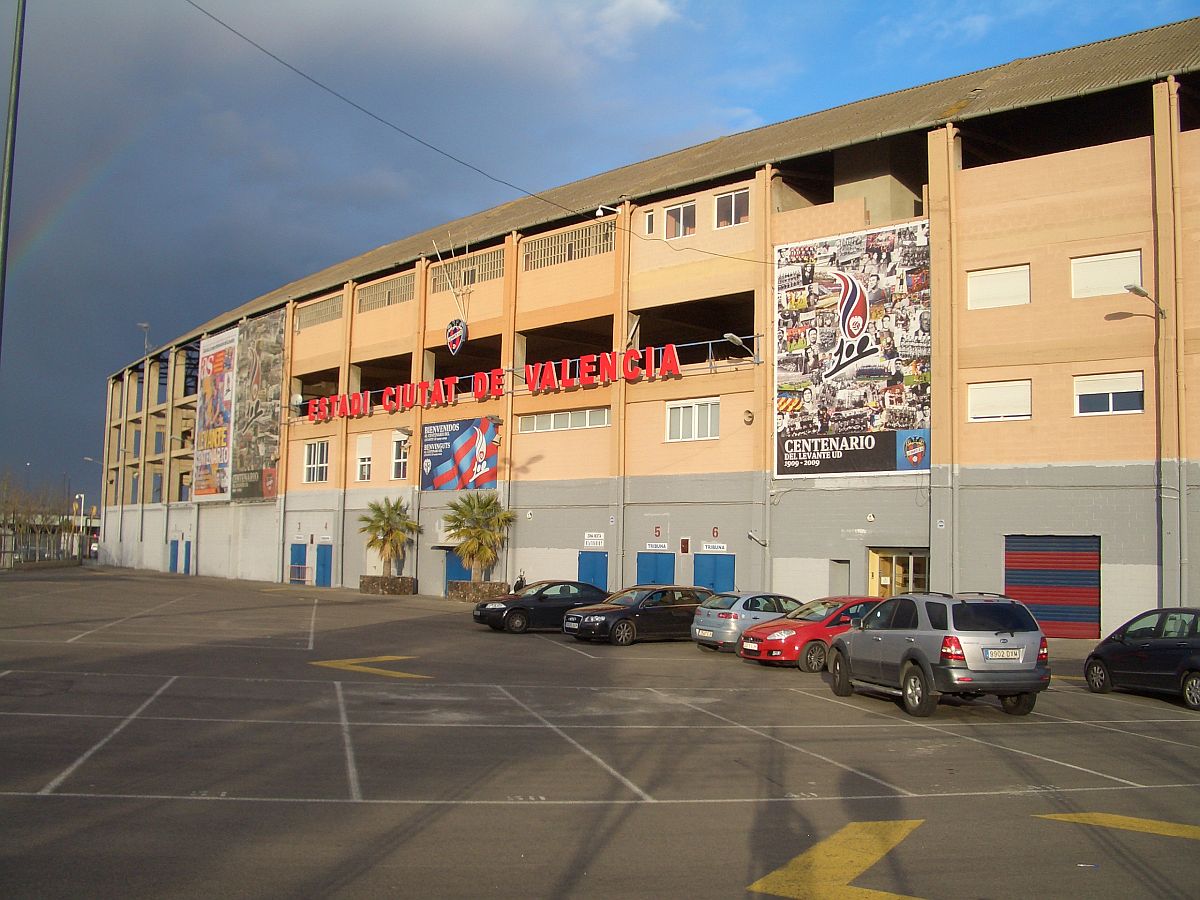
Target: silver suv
919	646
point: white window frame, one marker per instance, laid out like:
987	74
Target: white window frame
564	420
679	210
650	222
732	197
316	462
1118	270
400	459
995	288
1000	401
362	470
690	419
1109	384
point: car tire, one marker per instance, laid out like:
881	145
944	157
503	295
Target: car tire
1019	704
841	674
516	622
812	657
1191	690
1095	673
623	633
915	696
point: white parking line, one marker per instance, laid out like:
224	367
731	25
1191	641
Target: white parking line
578	746
53	785
981	742
567	646
790	746
351	765
312	624
126	619
1108	727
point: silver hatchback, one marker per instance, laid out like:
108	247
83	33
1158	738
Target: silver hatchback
919	646
721	619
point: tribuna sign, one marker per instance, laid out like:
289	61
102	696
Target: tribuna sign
592	369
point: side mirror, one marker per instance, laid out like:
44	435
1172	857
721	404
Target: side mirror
844	620
856	624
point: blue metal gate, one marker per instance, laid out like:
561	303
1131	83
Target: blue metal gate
297	564
715	571
593	567
324	575
187	557
173	566
655	568
456	570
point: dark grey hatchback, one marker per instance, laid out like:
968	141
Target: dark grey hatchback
644	611
1158	650
538	605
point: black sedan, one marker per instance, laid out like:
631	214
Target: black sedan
1158	650
645	611
538	605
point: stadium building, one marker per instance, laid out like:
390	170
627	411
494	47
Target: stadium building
940	339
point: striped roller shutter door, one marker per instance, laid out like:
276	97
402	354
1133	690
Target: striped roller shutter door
1058	578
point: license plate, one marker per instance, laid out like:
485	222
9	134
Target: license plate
749	645
990	653
571	626
702	632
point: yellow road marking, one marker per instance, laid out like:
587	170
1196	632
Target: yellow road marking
825	870
356	665
1129	823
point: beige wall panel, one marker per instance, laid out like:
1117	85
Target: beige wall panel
695	277
561	455
650	252
384	332
477	327
819	221
318	347
484	301
583	398
302	434
648	452
600	305
1189	300
581	280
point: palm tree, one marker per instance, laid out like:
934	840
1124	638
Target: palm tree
479	524
389	528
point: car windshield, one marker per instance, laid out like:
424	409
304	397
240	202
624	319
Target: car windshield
720	601
992	617
532	589
630	597
813	611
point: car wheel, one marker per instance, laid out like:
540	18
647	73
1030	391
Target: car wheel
841	675
622	633
1191	690
1019	704
812	657
1096	675
516	622
915	695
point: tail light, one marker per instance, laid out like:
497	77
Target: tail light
1043	652
952	649
728	615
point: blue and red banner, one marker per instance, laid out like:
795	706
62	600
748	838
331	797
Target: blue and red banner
459	455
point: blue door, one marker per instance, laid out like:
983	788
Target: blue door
324	565
187	557
656	568
714	571
593	567
174	564
297	564
456	570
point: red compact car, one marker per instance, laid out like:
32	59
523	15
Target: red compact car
802	636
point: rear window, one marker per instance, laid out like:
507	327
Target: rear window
720	601
993	617
937	615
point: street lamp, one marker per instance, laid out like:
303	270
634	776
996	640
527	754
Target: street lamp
1138	291
82	520
145	326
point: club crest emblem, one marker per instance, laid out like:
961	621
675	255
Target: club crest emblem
456	336
914	450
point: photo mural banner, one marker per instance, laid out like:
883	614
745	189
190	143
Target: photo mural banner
214	417
458	455
259	393
852	355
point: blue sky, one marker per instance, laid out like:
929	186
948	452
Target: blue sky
167	171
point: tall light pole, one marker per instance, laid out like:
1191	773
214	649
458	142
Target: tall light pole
1159	314
145	326
10	140
82	529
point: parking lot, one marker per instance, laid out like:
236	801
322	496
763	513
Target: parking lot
170	736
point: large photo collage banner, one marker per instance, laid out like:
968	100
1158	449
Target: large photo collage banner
852	356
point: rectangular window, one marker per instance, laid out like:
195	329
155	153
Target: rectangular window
992	288
400	457
316	462
694	420
363	469
681	220
563	421
1108	273
650	222
993	401
1109	395
733	209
